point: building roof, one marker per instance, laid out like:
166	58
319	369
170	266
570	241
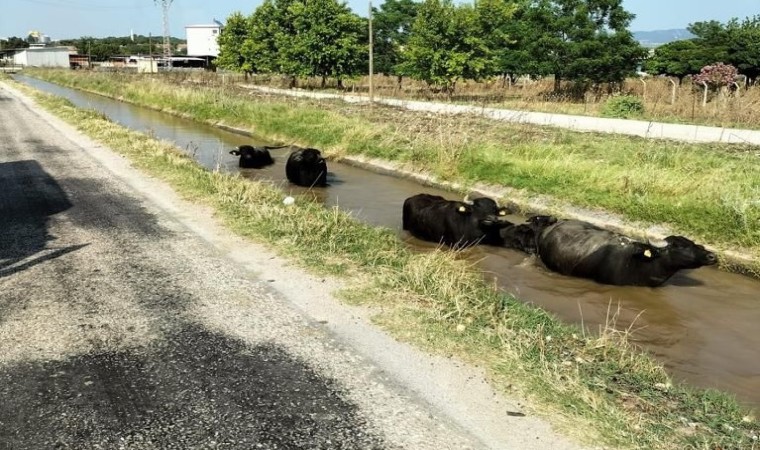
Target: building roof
214	24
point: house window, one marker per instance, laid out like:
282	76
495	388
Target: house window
214	31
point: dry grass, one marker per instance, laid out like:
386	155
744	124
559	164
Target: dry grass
663	100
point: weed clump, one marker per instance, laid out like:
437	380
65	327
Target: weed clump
623	107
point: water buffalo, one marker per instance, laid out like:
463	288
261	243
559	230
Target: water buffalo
580	249
253	157
306	167
454	223
523	236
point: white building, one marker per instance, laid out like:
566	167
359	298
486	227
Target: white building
42	57
201	39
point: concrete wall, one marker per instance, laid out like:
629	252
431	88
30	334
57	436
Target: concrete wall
42	57
147	66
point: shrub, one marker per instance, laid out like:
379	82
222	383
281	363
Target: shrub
717	75
623	106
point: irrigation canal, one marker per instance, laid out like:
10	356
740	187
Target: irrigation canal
703	324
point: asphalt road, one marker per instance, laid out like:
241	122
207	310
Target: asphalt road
130	319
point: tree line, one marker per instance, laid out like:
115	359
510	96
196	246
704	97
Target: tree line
736	43
100	49
436	41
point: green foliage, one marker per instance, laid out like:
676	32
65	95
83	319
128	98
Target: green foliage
743	44
13	42
444	46
678	59
500	30
103	48
623	106
259	45
392	26
297	38
736	43
231	40
329	41
580	40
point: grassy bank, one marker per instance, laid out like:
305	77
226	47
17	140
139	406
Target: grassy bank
596	386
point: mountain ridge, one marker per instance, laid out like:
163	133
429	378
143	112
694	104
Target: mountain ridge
654	38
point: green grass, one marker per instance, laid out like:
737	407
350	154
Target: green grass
597	387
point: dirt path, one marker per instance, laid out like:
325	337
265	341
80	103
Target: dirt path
130	319
642	128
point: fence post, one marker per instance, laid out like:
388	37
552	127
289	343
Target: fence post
704	96
672	91
644	94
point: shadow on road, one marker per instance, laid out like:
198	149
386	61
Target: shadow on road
198	389
29	196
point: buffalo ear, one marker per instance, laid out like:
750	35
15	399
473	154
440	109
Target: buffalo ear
463	209
235	152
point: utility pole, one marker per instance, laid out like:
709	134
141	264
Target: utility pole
167	41
371	58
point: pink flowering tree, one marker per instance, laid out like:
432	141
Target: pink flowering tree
717	75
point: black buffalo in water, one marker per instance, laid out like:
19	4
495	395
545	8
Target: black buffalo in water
523	236
306	167
454	223
580	249
253	157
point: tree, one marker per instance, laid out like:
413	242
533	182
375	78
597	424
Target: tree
392	26
580	40
736	43
329	40
678	59
84	44
259	46
743	46
231	40
13	42
443	47
101	51
498	27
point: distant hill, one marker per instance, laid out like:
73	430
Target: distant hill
658	37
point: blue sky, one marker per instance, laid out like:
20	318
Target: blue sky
63	19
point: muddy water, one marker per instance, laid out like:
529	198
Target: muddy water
703	324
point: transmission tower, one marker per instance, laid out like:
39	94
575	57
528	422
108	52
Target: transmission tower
167	41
